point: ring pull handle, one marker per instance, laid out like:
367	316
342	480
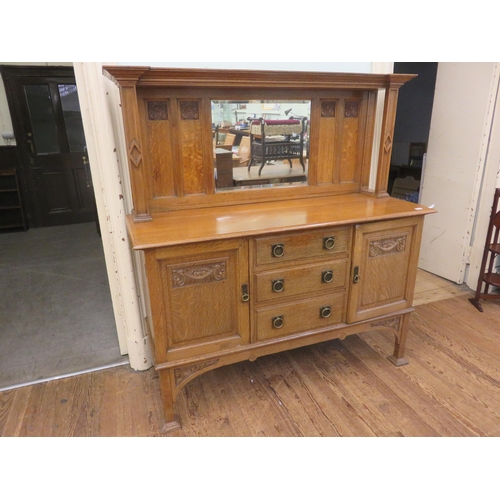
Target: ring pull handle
245	296
329	243
278	250
327	276
325	312
355	277
278	285
278	322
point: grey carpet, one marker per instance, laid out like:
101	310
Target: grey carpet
56	315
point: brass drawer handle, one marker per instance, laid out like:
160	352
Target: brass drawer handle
325	312
327	276
356	278
329	243
245	296
278	285
278	322
278	250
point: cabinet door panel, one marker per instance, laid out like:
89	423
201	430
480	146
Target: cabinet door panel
384	267
197	298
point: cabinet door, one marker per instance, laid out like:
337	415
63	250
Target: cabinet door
383	267
197	300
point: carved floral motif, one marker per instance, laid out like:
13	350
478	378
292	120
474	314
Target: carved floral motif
388	246
328	109
199	274
189	110
157	110
183	373
393	323
351	109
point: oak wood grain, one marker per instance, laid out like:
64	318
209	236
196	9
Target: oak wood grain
180	227
339	388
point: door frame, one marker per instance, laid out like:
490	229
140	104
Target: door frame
11	75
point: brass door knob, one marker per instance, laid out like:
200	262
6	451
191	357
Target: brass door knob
278	322
245	296
278	250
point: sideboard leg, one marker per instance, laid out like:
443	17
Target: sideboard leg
167	394
399	346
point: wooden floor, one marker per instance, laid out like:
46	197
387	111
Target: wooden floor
451	387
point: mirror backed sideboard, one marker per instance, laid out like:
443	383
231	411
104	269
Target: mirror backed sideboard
291	245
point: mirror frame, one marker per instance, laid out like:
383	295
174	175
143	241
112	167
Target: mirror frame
187	178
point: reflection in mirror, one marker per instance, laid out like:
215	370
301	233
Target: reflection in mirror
260	143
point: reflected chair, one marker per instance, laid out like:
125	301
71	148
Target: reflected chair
244	151
277	140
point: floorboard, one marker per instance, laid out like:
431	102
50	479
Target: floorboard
451	387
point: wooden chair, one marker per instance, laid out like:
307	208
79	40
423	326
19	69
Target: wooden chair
244	151
264	146
229	140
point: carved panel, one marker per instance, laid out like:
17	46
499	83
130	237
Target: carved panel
183	373
393	323
195	275
157	110
189	110
387	246
328	109
351	109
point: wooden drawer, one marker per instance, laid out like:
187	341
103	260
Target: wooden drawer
293	282
302	245
300	316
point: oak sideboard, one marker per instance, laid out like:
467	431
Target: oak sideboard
244	271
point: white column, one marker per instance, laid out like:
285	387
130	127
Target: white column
100	111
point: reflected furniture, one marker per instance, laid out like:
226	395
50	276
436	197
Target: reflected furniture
277	140
236	274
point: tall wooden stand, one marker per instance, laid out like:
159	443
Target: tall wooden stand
487	276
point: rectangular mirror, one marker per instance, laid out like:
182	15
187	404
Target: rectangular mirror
260	143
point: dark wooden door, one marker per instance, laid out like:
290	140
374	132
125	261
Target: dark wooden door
49	134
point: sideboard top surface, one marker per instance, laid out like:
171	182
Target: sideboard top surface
216	223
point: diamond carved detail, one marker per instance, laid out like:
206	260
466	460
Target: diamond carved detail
388	143
134	153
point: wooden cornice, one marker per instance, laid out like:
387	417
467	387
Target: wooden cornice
145	76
